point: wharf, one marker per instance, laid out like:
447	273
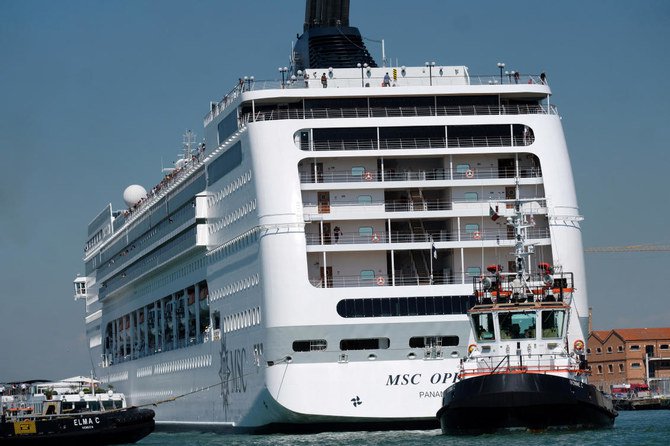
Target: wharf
642	403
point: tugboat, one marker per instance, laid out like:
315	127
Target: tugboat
33	413
522	372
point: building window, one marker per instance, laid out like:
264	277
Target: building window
588	351
609	349
663	347
635	348
619	348
471	196
598	350
600	369
620	368
635	365
610	368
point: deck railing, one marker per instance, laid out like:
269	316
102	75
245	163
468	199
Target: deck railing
417	175
418	143
427	237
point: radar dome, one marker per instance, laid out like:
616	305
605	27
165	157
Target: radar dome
133	194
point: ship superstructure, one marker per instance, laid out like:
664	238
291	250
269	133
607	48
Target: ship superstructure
312	265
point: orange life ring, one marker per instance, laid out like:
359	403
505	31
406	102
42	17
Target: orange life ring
375	237
367	176
471	348
380	281
579	345
469	173
476	235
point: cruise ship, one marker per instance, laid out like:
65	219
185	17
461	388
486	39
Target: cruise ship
311	264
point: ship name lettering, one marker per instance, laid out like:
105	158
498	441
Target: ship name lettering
86	421
439	378
403	380
237	359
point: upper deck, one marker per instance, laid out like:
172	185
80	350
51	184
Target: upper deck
385	81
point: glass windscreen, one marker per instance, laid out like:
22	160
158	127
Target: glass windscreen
517	325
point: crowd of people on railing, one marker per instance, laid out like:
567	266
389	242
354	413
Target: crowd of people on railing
167	180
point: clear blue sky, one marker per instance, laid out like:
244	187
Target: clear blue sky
94	94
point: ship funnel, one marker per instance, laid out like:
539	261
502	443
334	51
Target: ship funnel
327	40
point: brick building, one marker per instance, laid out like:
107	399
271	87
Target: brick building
630	356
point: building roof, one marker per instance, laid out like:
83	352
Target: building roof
633	334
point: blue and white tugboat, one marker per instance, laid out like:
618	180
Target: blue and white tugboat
523	371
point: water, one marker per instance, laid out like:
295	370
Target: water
630	428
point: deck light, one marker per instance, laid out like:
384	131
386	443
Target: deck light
283	71
430	66
501	65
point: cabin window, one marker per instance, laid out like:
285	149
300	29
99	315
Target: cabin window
216	320
310	345
473	271
367	275
483	324
552	323
357	171
432	341
364	344
364	199
471	196
365	232
471	228
462	168
517	325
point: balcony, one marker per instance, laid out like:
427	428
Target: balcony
397	112
484	173
499	235
418	143
314	211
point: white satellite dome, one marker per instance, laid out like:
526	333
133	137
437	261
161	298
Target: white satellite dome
133	194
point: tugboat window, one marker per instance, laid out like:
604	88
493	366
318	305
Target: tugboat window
552	323
517	325
484	326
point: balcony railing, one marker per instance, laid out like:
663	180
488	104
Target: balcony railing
418	143
431	236
385	280
395	112
482	173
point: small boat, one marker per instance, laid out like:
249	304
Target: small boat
38	412
521	371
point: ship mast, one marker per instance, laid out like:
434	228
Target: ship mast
188	141
521	250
